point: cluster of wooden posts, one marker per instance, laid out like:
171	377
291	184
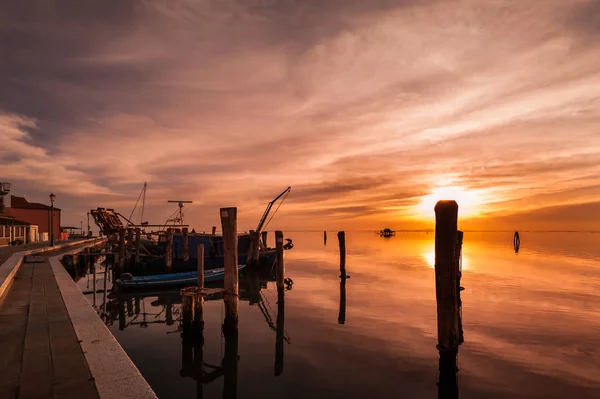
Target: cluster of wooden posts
192	307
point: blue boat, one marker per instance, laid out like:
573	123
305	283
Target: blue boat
186	278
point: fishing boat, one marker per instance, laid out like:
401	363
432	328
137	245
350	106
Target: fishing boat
162	280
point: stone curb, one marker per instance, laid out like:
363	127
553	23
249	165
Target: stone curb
113	372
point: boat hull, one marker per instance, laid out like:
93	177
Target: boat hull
173	279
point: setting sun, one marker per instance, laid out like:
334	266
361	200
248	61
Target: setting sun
468	201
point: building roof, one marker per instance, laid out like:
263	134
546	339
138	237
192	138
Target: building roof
22	203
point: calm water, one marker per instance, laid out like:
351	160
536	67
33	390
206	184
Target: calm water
531	323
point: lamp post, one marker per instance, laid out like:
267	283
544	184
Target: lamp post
52	198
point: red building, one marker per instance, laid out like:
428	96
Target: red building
34	213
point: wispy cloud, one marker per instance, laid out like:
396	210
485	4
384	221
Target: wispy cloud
363	107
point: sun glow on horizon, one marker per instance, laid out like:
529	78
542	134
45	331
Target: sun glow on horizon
469	201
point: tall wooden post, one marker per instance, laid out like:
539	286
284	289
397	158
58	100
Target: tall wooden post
199	299
280	268
343	277
88	262
446	219
186	245
214	230
325	238
342	240
264	239
138	238
121	249
230	264
250	259
130	238
169	249
279	334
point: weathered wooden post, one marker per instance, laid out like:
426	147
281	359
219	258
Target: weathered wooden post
169	249
325	238
279	334
186	245
88	262
138	243
214	230
342	240
129	238
343	277
121	250
230	264
446	221
280	268
105	278
264	239
199	299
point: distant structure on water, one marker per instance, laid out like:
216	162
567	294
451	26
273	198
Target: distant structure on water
387	233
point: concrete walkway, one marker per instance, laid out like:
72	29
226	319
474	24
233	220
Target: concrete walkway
41	356
7	251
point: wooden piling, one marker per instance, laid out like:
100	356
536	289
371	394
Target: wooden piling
91	267
214	230
280	268
342	240
325	238
138	243
251	260
169	249
279	334
105	280
446	215
121	249
130	238
186	245
230	264
264	239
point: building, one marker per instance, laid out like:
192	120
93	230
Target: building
16	231
33	214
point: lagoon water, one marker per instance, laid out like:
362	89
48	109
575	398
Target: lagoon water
531	323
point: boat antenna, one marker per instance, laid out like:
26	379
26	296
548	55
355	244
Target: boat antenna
179	218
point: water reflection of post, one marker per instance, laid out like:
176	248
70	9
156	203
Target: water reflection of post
448	380
169	310
230	365
343	277
121	303
280	271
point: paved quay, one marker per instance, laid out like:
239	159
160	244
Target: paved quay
7	251
41	355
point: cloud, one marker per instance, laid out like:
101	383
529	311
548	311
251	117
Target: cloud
363	107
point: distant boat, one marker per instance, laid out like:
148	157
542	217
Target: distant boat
190	278
387	233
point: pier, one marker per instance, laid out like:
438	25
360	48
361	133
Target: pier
48	331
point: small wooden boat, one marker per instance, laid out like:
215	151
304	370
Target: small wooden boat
162	280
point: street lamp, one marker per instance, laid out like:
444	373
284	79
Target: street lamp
52	199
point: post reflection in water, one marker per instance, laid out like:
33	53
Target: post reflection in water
279	336
448	378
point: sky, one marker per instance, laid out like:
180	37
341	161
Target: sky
370	110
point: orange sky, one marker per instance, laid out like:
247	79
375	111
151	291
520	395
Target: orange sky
364	108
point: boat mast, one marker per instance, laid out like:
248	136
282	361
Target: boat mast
143	203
